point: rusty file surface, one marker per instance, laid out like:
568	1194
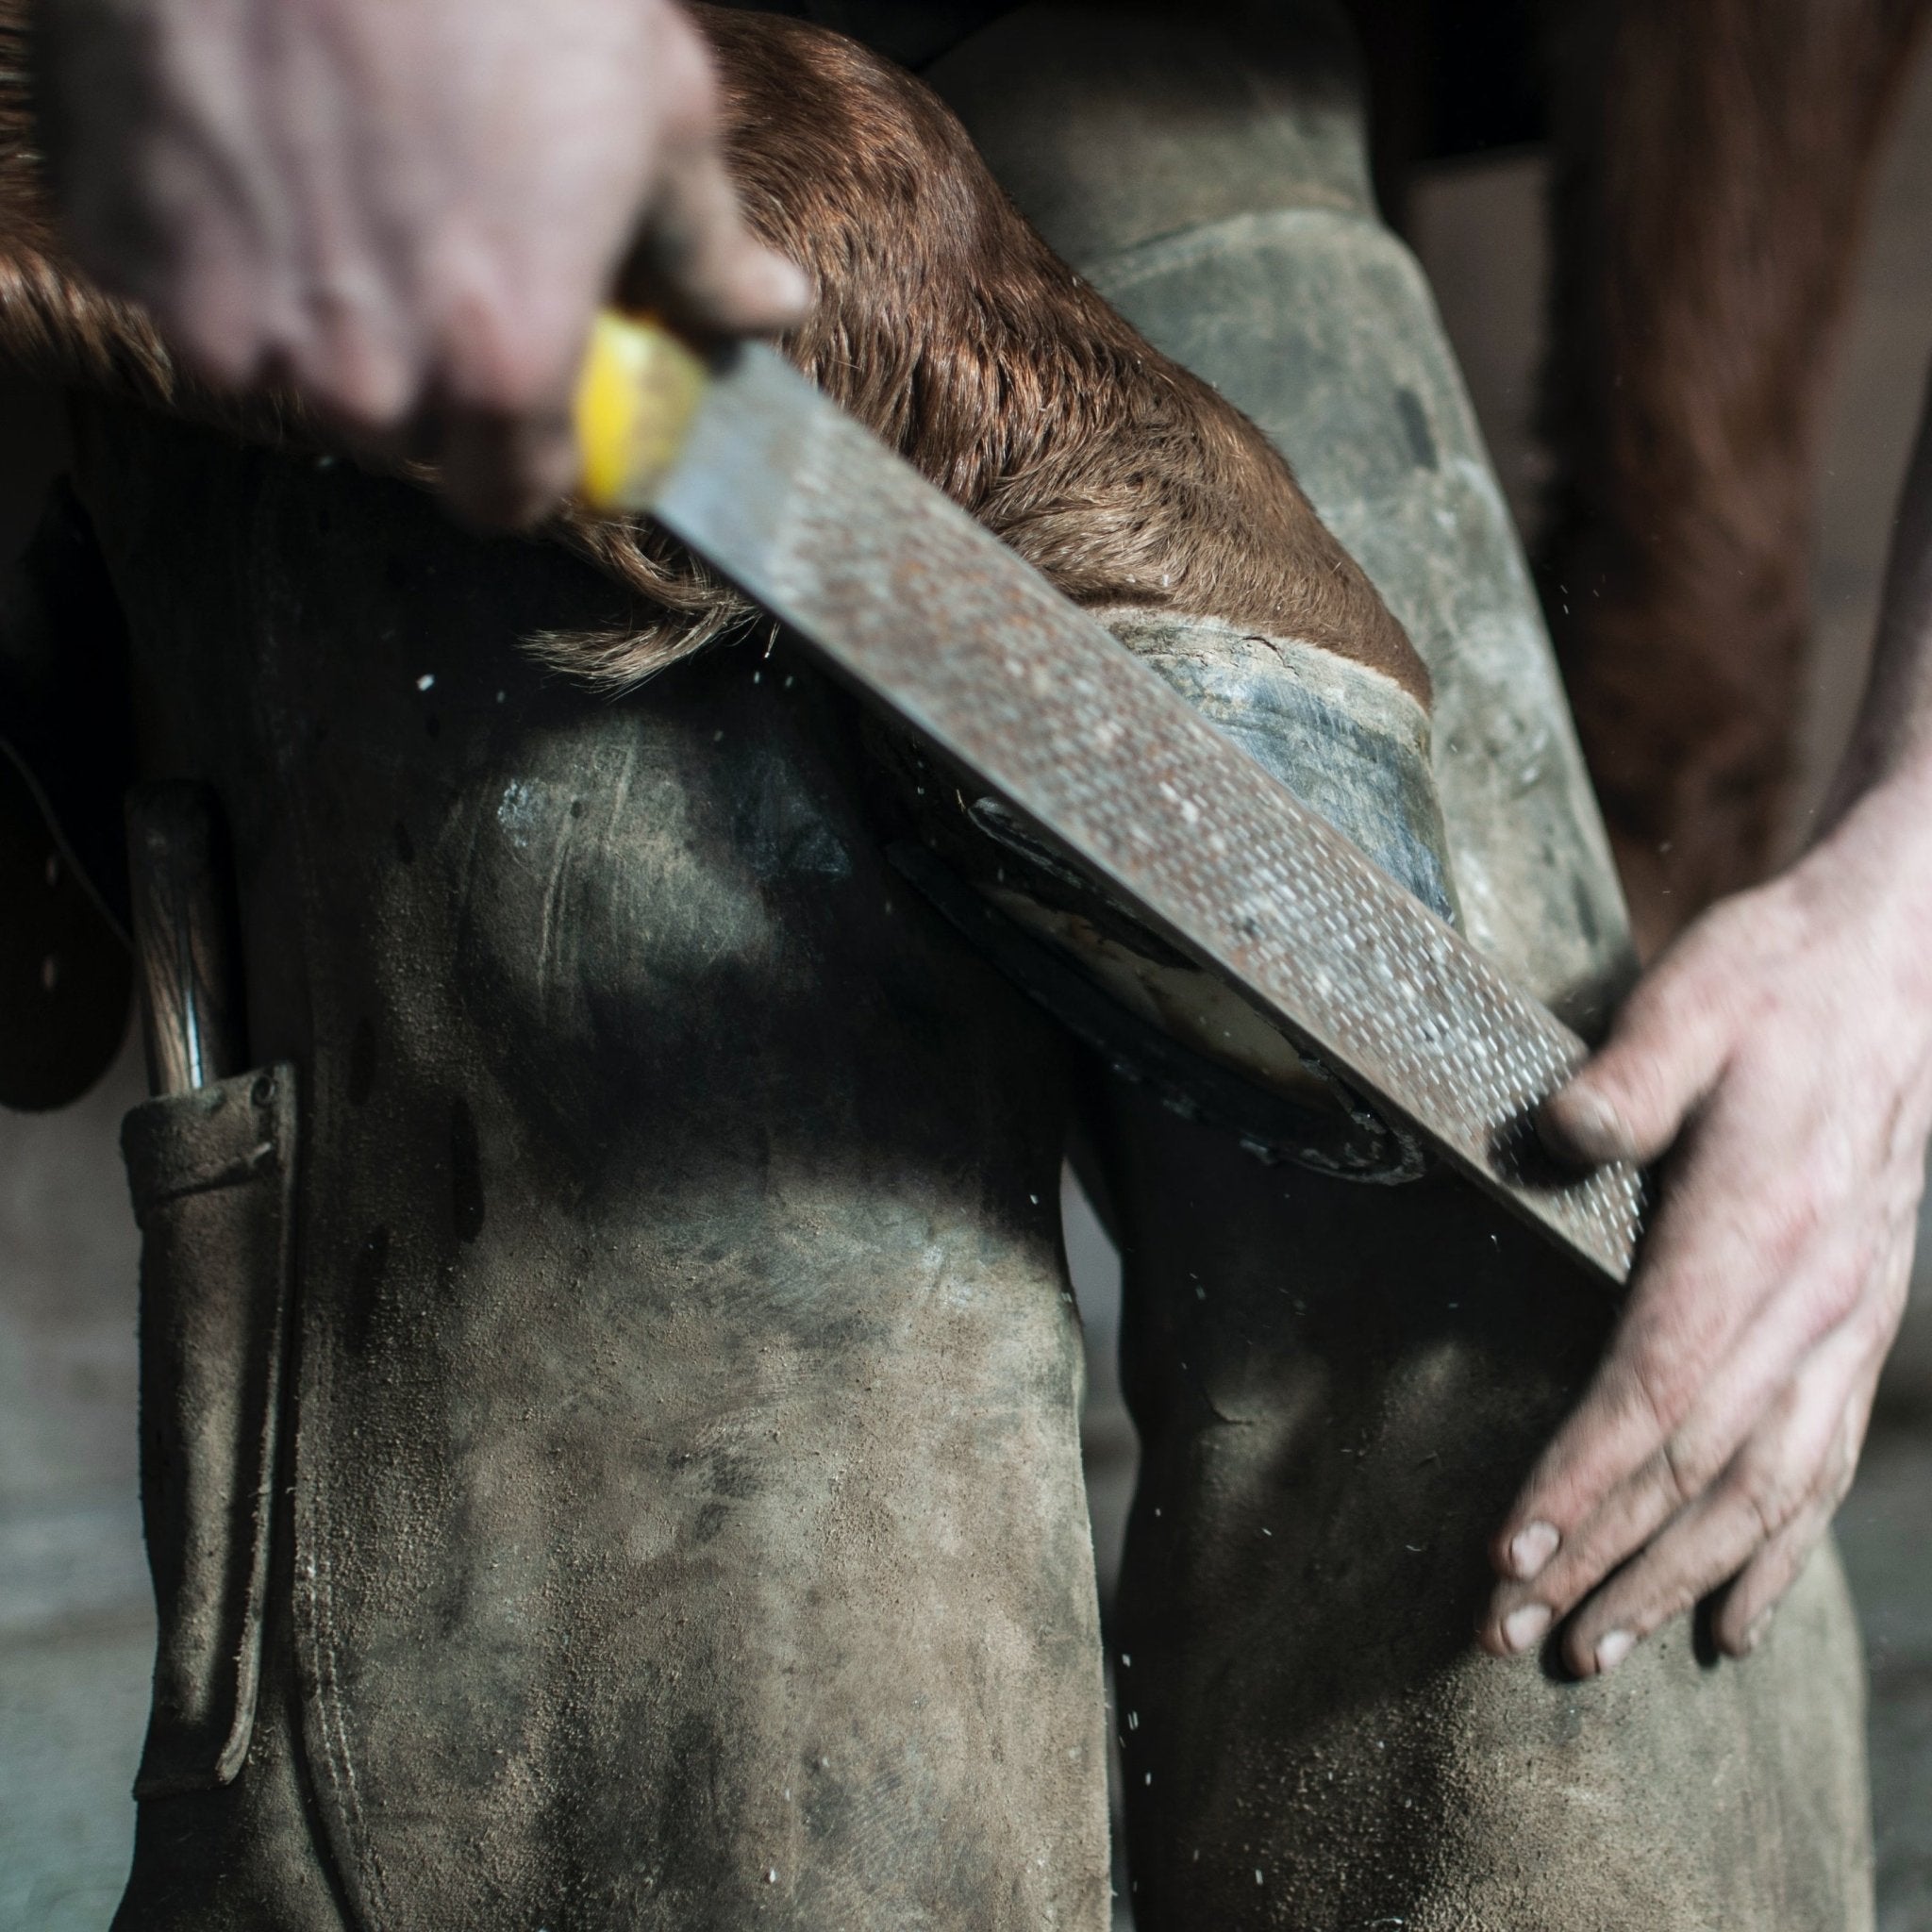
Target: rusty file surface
905	595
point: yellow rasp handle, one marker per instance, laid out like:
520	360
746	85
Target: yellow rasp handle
637	393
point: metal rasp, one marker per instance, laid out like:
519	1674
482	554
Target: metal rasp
905	596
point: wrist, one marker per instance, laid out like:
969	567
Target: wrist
1886	819
1868	880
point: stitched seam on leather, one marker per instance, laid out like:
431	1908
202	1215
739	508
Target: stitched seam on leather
317	1347
342	1761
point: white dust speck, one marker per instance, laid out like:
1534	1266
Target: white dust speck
517	812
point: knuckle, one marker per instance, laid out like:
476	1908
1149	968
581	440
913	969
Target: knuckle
1660	1388
1839	1479
1891	1293
1842	1461
505	357
692	82
1569	1579
351	352
218	357
1679	991
221	342
1762	922
364	389
1670	1597
1766	1511
1838	1298
1877	1306
1684	1470
1786	1227
1767	1498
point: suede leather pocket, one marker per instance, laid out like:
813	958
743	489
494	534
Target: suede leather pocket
212	1176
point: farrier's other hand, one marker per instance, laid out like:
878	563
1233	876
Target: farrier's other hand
1783	1048
403	210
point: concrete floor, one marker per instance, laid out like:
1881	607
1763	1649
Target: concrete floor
75	1620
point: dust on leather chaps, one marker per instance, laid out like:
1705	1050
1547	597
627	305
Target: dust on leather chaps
678	1518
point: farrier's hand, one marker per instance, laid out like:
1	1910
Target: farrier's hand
1783	1050
403	210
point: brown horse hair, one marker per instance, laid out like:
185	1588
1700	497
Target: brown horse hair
940	320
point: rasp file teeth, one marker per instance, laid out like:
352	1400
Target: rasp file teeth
907	597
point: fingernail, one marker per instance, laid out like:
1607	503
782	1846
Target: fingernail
1521	1628
1530	1549
1592	1126
1613	1649
1754	1632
